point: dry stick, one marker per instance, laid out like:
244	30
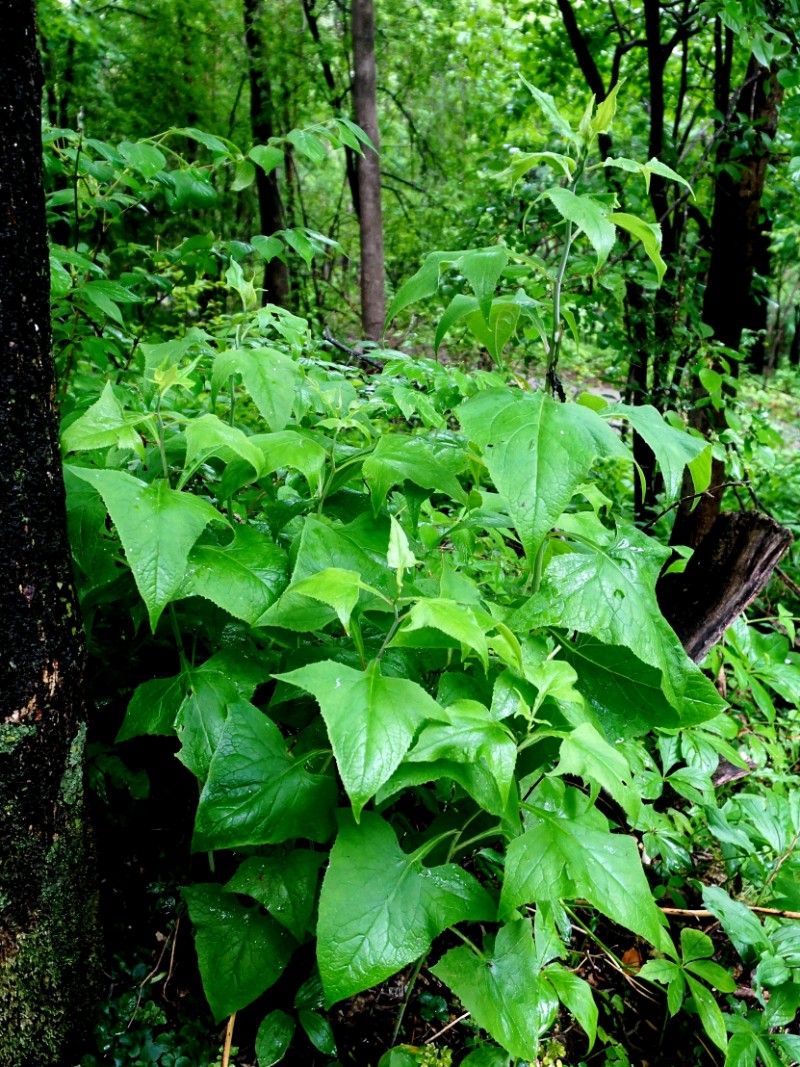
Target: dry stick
449	1026
793	587
692	496
171	959
226	1052
702	913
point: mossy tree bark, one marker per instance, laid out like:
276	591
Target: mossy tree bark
47	907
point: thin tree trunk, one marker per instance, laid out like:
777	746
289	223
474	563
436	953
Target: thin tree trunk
373	288
47	905
276	273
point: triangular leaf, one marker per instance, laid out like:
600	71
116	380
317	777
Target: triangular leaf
380	909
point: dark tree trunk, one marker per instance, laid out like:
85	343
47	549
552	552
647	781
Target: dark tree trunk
794	349
335	100
47	906
373	288
276	273
736	227
736	244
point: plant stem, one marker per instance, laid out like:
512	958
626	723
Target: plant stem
470	944
226	1051
409	990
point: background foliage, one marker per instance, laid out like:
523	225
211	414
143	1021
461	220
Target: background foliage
394	609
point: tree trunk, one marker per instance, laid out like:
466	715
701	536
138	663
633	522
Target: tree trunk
47	903
727	572
373	289
736	236
276	273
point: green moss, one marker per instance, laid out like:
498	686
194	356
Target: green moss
48	977
11	733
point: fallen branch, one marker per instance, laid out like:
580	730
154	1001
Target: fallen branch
703	913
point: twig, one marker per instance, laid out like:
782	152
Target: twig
702	913
449	1026
793	587
226	1052
155	970
353	353
171	960
692	496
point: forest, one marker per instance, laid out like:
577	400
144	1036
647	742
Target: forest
400	502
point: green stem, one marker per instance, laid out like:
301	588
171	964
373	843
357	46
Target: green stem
358	641
555	342
470	944
558	286
496	831
409	990
398	619
537	566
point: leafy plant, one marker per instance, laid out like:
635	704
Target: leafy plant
411	655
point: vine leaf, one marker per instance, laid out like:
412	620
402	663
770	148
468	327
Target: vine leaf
538	452
608	591
241	951
371	721
500	990
285	885
567	852
157	526
257	793
380	909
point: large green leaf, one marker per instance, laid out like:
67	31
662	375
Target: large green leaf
568	853
649	233
472	749
500	990
398	459
153	707
222	679
371	720
538	452
576	996
608	591
380	908
741	925
456	620
422	284
104	424
285	885
674	449
482	268
323	547
244	577
589	756
624	693
270	377
157	527
587	215
241	950
257	793
209	436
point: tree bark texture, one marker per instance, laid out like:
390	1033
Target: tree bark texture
270	205
736	238
47	907
373	288
726	573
